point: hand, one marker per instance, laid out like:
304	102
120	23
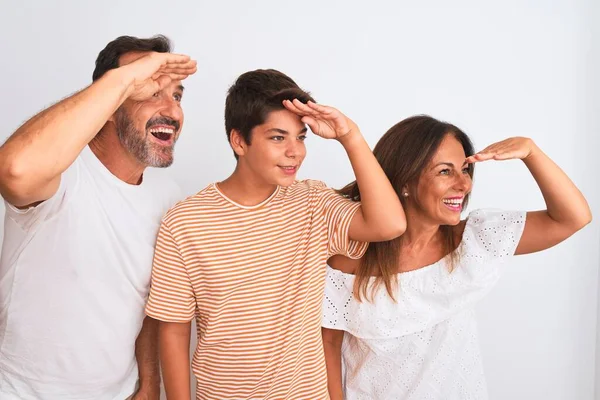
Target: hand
509	149
324	121
155	71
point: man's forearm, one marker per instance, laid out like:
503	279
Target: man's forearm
146	354
46	145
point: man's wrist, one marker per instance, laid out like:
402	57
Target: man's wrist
119	77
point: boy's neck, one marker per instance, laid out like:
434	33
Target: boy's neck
245	189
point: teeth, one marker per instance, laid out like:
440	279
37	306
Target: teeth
456	202
162	130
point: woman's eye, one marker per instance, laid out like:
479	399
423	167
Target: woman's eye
445	172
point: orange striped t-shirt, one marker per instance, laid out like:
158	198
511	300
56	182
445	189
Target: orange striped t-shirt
254	279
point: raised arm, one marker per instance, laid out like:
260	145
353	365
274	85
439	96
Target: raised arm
381	216
34	157
567	211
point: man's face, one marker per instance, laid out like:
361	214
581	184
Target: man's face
149	129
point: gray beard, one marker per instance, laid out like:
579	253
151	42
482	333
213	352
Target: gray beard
139	145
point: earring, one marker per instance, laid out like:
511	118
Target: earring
405	194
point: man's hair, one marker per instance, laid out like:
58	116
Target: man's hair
109	57
256	94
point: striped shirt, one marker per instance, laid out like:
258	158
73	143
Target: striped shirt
254	279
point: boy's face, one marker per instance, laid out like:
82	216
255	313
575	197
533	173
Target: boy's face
277	149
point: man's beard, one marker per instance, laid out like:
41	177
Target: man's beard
136	143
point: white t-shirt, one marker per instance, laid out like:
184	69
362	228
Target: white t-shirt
425	345
74	279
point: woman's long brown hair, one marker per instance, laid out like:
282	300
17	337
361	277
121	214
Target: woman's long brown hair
404	152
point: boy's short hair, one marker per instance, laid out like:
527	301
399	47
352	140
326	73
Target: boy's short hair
254	95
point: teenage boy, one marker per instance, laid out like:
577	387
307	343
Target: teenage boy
246	256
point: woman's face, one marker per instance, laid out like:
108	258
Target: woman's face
441	189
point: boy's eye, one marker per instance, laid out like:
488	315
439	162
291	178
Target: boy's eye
465	170
277	138
177	97
302	138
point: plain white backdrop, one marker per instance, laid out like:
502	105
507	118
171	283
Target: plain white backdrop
513	68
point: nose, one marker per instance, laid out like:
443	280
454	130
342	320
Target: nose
171	108
463	182
294	149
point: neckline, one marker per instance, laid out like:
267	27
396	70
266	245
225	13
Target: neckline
254	207
423	268
90	157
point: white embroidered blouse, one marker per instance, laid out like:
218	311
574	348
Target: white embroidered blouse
424	346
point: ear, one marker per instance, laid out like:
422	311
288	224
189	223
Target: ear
237	143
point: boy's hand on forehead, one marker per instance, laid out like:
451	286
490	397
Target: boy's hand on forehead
324	121
154	71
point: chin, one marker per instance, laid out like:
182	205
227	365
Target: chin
450	221
286	182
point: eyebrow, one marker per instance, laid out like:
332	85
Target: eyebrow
180	87
449	164
283	131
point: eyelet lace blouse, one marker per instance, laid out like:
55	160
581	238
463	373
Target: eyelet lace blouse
424	346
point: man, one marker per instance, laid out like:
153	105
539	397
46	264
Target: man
81	222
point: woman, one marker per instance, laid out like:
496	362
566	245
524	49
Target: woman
407	305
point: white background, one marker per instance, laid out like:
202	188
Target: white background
526	68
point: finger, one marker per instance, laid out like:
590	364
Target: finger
182	74
186	65
489	149
178	67
320	108
292	107
508	155
174	76
480	157
173	58
177	77
312	123
304	108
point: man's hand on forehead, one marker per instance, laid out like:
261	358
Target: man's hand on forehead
155	71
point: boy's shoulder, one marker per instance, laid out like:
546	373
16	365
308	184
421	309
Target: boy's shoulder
205	199
307	185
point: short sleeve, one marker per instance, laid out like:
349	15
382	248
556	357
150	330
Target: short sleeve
495	233
338	294
338	212
171	296
29	219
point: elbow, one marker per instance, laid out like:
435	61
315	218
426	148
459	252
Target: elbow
585	219
392	230
580	221
14	181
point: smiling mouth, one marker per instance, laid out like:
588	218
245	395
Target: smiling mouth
289	170
163	133
454	204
